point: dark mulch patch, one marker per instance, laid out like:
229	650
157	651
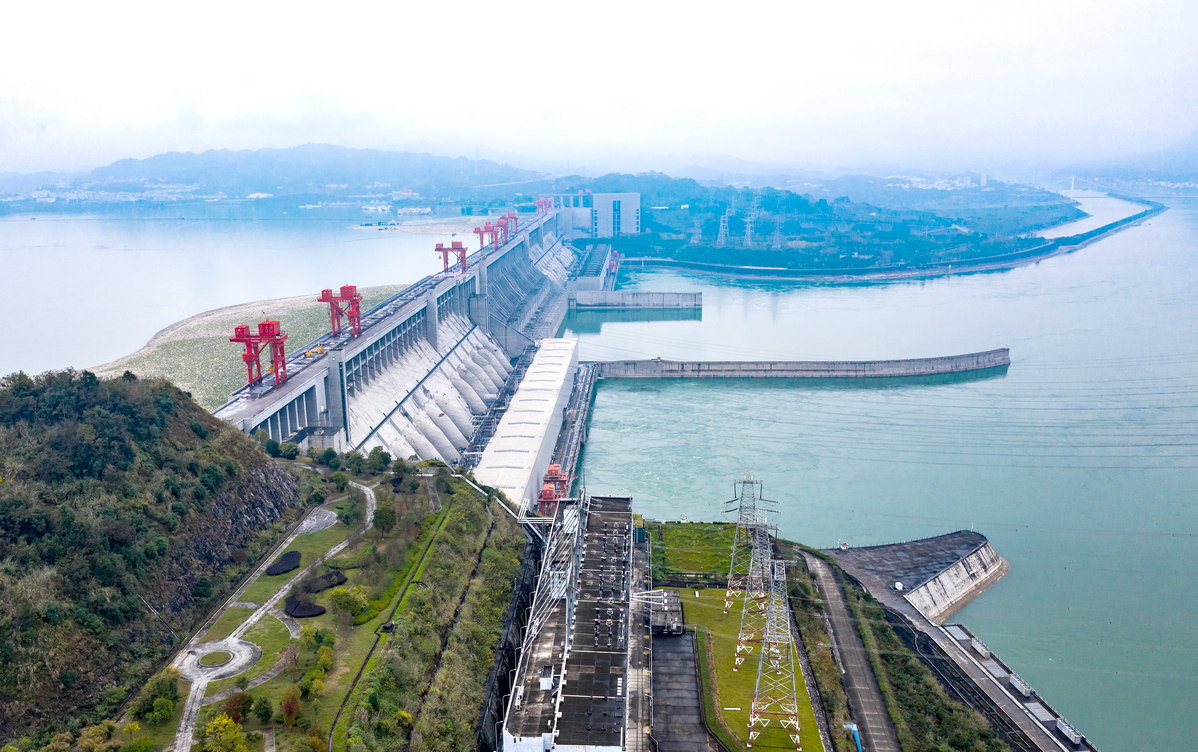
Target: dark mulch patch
299	608
324	582
285	563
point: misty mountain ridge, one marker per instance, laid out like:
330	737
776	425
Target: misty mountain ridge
308	169
1178	162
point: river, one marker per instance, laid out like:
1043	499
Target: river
84	290
1079	463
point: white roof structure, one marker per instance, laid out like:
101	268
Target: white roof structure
518	455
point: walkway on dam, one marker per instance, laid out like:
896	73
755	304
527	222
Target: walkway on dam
860	684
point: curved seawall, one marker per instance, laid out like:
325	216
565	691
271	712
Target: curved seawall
803	369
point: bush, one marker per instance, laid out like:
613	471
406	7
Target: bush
285	563
288	450
324	582
300	608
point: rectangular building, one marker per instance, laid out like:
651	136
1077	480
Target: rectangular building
599	215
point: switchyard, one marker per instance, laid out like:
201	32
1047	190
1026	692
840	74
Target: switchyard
577	686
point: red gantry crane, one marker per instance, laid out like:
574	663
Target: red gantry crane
455	249
269	334
487	234
348	303
543	205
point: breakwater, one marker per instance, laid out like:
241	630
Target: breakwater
803	369
621	299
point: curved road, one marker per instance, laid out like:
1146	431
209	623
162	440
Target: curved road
865	699
187	659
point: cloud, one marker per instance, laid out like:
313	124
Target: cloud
84	83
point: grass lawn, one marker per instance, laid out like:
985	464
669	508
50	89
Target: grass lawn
691	546
735	688
310	545
269	634
228	621
218	658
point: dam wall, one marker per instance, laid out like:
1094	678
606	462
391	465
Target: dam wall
947	592
800	369
621	299
428	362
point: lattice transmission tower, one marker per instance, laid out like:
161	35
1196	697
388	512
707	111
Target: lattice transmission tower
775	696
757	591
749	505
721	239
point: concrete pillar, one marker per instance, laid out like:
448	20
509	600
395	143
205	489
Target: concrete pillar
478	302
431	319
335	396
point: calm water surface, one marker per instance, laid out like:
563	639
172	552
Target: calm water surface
1079	463
84	290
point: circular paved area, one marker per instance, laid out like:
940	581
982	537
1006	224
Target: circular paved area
245	654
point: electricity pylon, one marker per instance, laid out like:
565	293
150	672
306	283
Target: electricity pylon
775	696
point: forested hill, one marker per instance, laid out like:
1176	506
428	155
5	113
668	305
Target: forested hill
115	494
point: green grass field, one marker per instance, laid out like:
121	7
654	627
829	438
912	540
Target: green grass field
310	546
702	547
269	634
735	688
228	621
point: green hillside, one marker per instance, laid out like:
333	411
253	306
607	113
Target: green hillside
117	496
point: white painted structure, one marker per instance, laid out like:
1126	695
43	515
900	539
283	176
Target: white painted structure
518	455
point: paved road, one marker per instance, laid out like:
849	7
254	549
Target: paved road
677	709
187	659
865	699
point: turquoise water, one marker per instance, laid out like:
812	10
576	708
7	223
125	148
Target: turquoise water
1079	462
84	290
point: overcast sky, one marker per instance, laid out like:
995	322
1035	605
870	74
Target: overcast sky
944	84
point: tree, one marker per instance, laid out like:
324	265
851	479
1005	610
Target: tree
324	658
272	447
384	518
263	710
307	638
238	706
339	480
290	704
161	711
349	601
223	734
355	461
288	450
378	460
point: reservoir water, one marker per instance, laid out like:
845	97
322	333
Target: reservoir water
1079	462
85	290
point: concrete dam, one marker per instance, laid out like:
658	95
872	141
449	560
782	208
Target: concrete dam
429	360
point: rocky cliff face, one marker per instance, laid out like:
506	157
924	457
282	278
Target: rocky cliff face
224	542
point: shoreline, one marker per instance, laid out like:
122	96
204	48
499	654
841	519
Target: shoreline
1052	247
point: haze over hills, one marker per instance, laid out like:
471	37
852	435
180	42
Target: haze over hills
1176	163
309	169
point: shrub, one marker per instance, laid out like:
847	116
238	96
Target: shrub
285	563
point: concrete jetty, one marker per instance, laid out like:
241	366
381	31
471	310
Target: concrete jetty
804	369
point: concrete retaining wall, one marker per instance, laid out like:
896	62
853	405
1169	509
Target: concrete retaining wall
606	299
944	594
798	369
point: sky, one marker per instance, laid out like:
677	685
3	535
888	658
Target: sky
599	85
